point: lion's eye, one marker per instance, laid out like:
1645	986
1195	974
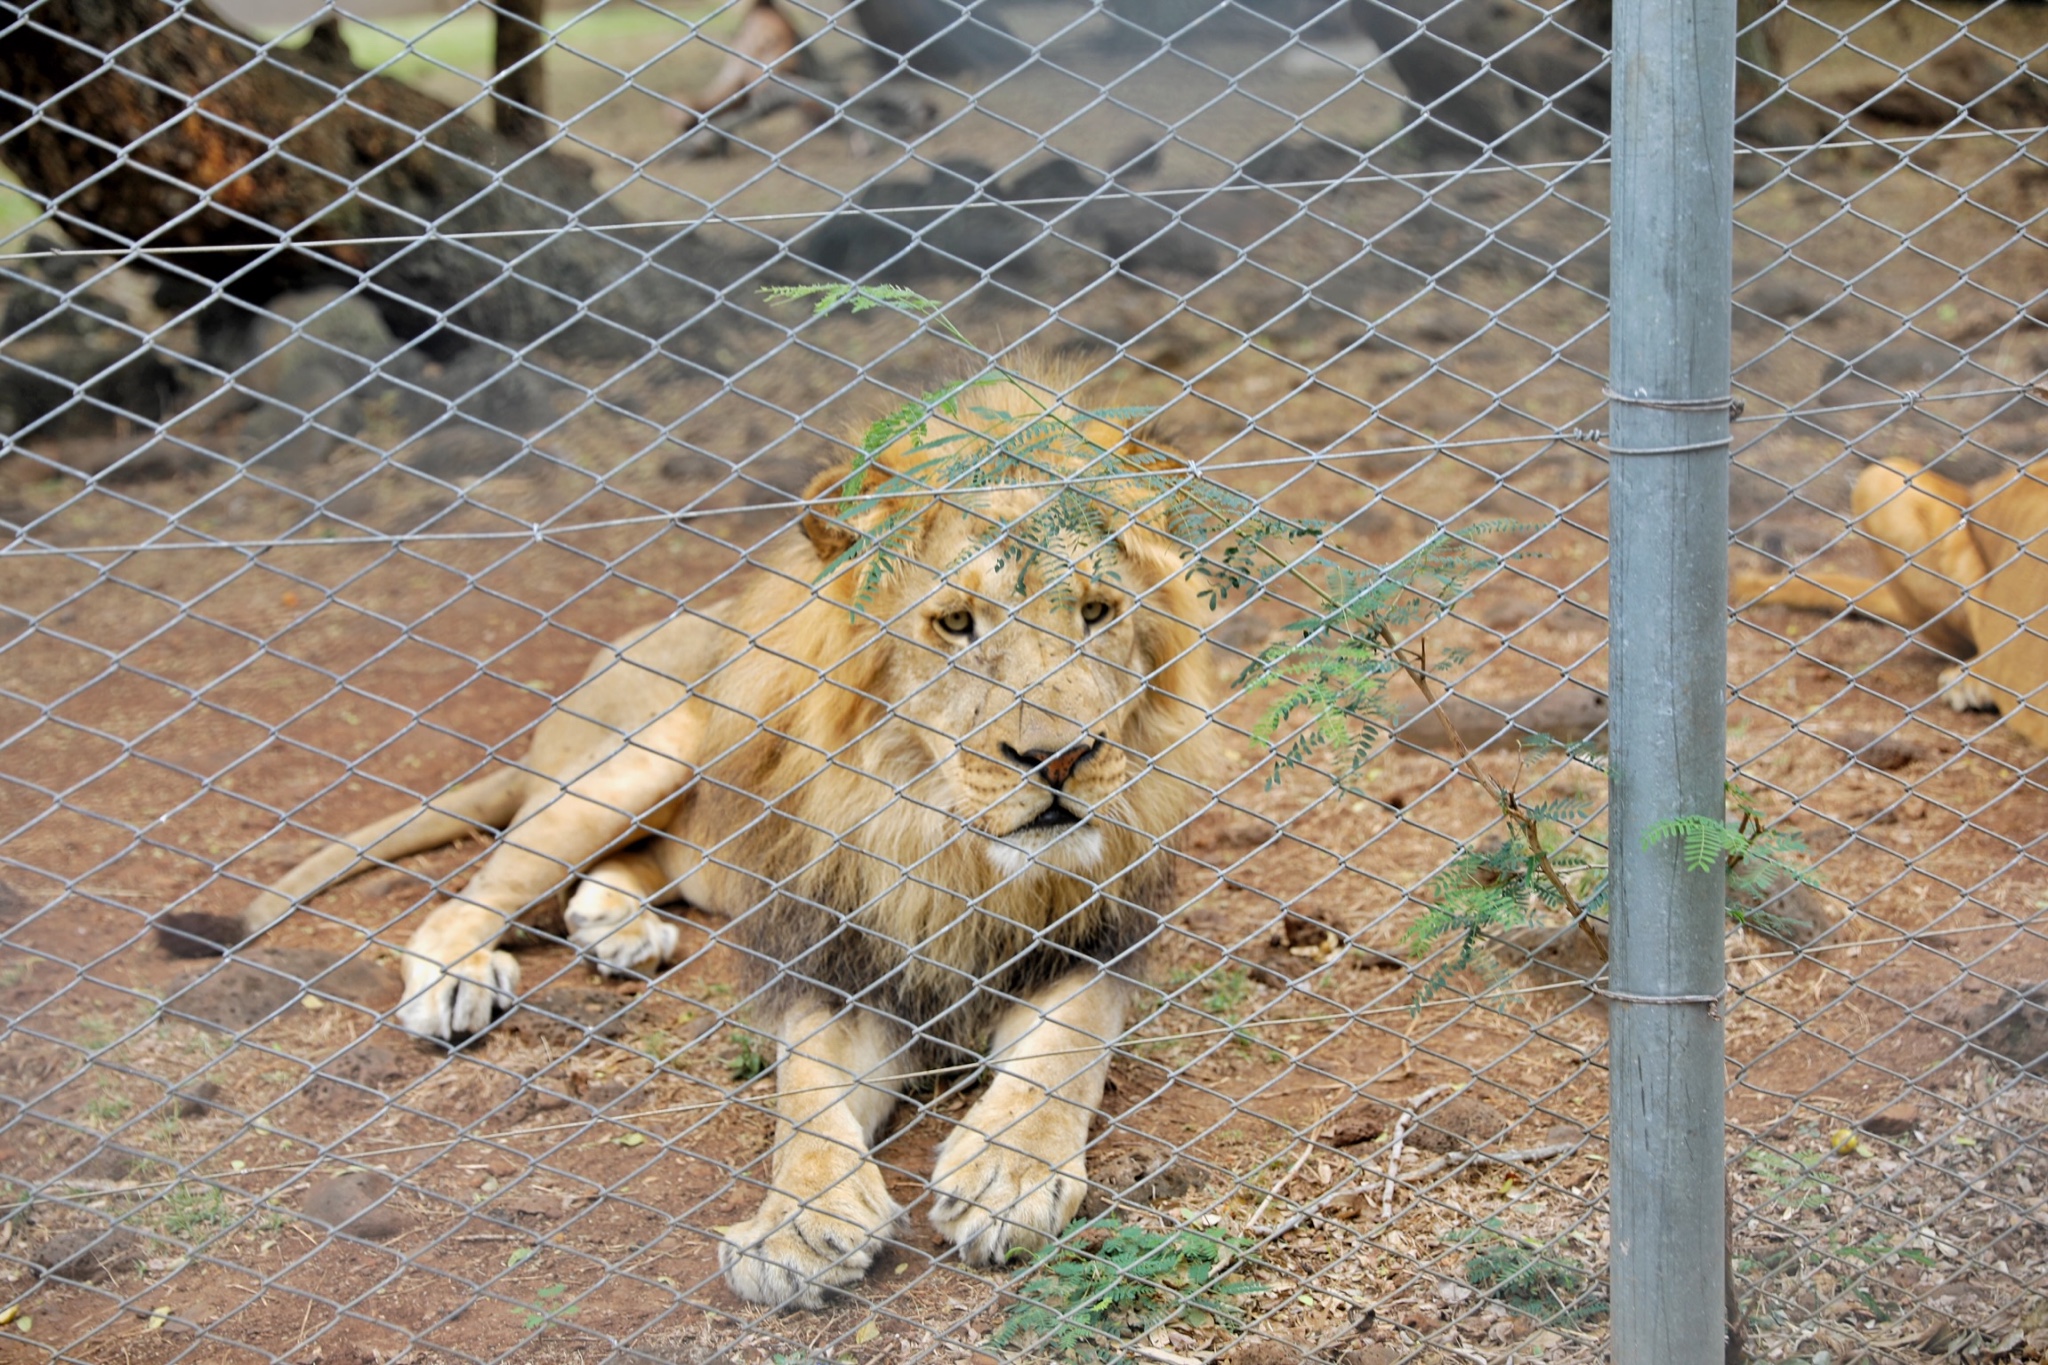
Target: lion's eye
958	623
1094	613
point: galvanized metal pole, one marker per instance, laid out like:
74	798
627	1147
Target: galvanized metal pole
1674	109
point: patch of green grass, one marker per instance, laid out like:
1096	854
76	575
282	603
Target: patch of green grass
97	1033
107	1108
1105	1282
190	1210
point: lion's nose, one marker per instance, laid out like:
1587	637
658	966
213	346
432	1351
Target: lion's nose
1056	767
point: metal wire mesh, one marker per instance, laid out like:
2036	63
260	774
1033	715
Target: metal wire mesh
343	434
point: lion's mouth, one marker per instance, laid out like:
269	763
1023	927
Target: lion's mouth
1054	816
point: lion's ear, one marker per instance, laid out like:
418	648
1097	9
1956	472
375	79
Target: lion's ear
829	536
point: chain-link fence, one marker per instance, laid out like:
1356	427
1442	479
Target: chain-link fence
1060	761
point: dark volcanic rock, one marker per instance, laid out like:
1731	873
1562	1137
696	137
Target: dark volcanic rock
356	1203
91	1255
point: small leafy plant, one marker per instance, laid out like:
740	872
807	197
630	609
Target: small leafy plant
747	1061
547	1307
1528	1277
1107	1281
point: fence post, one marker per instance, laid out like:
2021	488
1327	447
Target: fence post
1674	108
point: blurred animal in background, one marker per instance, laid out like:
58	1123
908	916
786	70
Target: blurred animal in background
768	66
1965	568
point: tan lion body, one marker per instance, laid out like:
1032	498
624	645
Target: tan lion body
936	819
1965	568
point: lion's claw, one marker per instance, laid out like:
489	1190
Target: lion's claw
992	1200
791	1253
454	1001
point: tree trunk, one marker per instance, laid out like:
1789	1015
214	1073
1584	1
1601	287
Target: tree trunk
193	136
519	84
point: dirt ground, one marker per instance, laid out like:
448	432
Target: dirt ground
240	1162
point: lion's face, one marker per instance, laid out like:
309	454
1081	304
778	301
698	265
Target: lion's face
1033	680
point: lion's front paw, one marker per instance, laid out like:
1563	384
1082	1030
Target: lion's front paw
993	1198
1964	693
791	1252
620	935
456	1000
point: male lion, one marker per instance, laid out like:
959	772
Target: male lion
1965	568
926	758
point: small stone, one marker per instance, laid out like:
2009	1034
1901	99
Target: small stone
1372	1354
1887	753
1361	1121
1461	1122
1898	1120
1262	1351
91	1255
196	1100
2008	1023
349	1203
1563	1135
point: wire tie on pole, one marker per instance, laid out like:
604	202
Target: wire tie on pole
1712	1002
1730	404
1733	405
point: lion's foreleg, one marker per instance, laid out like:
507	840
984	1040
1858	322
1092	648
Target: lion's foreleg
1013	1173
838	1075
454	977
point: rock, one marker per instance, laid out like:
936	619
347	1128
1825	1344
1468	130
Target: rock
196	1100
91	1255
1371	1354
1567	713
312	357
371	1066
1563	1135
2009	1023
919	226
337	323
460	450
569	1015
1300	166
1910	362
243	992
1897	1120
1887	753
1137	1175
1263	1351
74	359
1480	72
118	1165
1459	1123
1788	911
1043	190
1554	955
1782	299
1144	239
357	1204
300	422
1360	1121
